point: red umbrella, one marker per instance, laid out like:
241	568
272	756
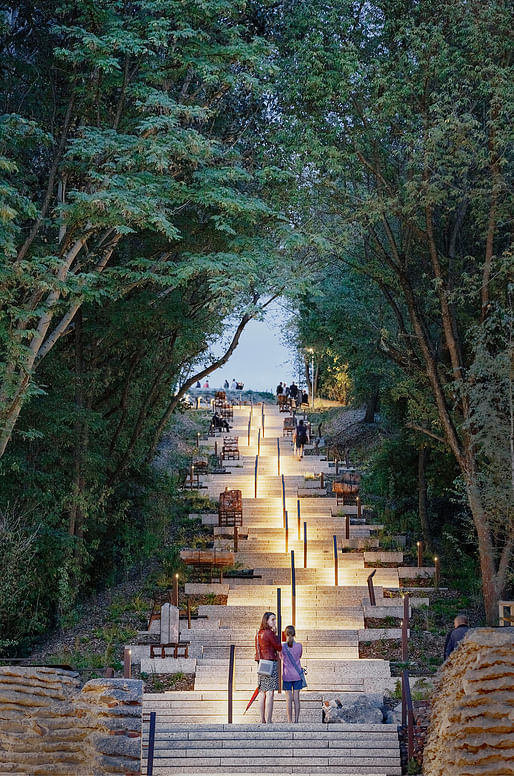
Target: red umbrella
255	694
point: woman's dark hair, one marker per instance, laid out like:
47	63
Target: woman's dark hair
264	621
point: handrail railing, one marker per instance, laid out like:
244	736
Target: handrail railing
255	478
336	564
371	589
151	744
408	713
293	590
405	628
231	662
278	456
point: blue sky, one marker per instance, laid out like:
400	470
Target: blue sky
261	359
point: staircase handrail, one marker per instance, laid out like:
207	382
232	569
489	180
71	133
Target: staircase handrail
408	713
151	744
231	662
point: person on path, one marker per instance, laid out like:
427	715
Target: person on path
225	385
206	384
300	439
292	672
233	385
460	628
219	422
267	647
293	390
280	389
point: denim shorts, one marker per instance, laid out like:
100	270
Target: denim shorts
292	685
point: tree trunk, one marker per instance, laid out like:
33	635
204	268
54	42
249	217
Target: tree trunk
492	587
422	499
371	407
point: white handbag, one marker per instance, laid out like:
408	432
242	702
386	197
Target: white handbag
265	667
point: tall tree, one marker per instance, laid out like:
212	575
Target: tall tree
401	114
110	129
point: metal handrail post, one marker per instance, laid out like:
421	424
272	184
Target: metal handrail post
255	476
262	420
408	713
347	527
236	539
279	611
293	590
299	517
231	683
336	562
371	589
259	442
249	431
278	456
284	500
188	607
305	545
405	627
286	528
279	632
151	744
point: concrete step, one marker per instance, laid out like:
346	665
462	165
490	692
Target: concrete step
303	748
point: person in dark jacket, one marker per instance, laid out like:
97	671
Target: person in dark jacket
460	628
300	438
267	647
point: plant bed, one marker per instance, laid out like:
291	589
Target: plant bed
163	682
382	622
417	582
241	574
379	564
201	599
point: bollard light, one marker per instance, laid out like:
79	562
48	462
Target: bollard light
420	554
127	663
175	590
436	574
198	439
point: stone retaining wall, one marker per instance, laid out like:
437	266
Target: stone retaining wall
51	725
472	720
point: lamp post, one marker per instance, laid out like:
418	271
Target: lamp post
311	351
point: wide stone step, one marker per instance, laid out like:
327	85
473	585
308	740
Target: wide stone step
302	748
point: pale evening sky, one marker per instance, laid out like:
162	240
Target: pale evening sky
261	360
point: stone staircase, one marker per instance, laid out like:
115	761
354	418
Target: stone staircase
192	734
304	748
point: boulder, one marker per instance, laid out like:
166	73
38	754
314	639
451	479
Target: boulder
355	710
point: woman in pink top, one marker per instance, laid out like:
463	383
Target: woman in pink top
291	673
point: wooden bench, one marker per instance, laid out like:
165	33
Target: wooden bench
179	648
230	510
230	449
288	427
284	403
